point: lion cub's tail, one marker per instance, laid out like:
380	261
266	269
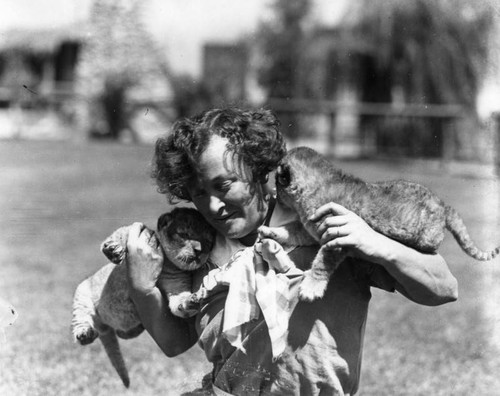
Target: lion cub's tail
112	348
85	330
456	226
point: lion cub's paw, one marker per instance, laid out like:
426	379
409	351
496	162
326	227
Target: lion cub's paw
86	335
265	232
115	253
184	305
275	233
114	247
312	289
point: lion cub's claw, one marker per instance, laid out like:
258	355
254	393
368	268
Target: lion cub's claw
86	336
190	305
113	251
266	232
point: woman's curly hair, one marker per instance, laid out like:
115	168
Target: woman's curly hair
253	135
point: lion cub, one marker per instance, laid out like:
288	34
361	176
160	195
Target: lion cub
407	212
102	306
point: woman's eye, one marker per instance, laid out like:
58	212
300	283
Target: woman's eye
198	193
223	187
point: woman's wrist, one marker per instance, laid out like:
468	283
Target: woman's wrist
140	288
139	295
381	250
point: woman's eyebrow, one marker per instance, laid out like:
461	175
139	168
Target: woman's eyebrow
223	178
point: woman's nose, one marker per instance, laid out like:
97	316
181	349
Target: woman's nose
216	205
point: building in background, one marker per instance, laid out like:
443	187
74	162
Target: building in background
37	73
209	50
225	68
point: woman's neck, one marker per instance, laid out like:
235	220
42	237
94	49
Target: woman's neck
250	239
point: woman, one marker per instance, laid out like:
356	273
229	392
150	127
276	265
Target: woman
221	161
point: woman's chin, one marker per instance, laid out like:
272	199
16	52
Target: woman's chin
238	229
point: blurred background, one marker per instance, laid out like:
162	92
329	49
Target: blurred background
389	89
354	78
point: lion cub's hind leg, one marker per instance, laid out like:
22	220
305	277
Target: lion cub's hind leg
114	247
82	324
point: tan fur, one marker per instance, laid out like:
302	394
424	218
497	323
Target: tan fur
102	306
405	211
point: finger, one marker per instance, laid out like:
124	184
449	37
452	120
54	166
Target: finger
149	237
337	243
331	208
331	221
276	257
332	233
133	234
270	246
258	247
145	235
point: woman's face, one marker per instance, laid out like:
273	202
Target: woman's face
223	198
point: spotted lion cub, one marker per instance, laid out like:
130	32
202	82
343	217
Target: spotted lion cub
102	306
405	211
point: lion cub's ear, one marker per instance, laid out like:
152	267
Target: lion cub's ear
283	176
163	221
114	247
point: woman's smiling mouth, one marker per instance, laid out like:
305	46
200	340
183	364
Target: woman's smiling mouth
224	217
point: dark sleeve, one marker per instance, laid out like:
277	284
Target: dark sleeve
374	274
302	256
173	280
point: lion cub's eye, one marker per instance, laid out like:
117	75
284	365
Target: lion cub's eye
182	235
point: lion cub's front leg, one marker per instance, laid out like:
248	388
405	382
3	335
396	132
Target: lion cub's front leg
324	264
316	279
291	234
83	326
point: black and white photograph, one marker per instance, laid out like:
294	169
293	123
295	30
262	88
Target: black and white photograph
260	197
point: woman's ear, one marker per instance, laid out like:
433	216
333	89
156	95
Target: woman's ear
263	179
269	186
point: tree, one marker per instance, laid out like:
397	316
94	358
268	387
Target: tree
436	51
425	51
119	61
281	41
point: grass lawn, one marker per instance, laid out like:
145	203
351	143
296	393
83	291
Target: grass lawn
58	201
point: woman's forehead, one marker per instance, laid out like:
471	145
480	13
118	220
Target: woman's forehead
213	159
217	161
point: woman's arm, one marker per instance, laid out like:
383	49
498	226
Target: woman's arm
173	335
423	278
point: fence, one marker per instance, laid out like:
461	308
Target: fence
375	129
444	132
54	112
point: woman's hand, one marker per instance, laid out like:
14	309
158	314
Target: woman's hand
144	259
341	228
423	278
275	255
